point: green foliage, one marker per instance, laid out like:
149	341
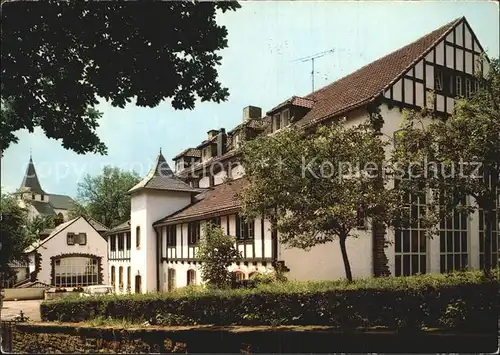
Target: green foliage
104	196
416	301
315	188
15	236
39	223
216	252
456	157
54	69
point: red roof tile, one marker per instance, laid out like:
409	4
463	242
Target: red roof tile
365	84
222	198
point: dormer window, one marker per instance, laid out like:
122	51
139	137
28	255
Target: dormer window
42	197
32	196
281	120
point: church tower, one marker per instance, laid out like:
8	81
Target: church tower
160	193
30	188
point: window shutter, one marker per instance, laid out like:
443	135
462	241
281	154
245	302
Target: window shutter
238	226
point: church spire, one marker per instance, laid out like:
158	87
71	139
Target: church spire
30	181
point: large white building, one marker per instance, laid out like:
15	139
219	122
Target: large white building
156	249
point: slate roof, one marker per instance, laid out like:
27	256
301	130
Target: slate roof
30	181
219	199
161	177
61	202
98	226
367	83
42	207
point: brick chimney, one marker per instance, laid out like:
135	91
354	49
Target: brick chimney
250	112
221	142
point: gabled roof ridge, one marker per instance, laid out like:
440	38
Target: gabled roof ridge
450	24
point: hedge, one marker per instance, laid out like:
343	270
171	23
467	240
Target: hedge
459	300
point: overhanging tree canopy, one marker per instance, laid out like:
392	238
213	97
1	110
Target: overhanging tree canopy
59	57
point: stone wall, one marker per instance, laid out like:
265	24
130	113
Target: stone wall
67	338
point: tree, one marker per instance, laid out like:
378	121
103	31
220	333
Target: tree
216	252
77	210
457	157
39	223
104	196
58	57
321	186
15	237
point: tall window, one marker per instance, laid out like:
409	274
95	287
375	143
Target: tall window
458	86
438	79
193	232
360	217
215	220
120	241
113	275
410	240
239	275
277	122
112	242
191	277
137	237
454	242
42	197
129	241
285	118
495	235
75	271
468	88
171	235
32	196
244	230
120	277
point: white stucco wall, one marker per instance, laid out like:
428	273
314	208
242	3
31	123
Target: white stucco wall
57	245
204	182
148	206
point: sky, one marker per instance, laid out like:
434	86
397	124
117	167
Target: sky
260	68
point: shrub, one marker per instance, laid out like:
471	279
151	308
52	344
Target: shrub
458	300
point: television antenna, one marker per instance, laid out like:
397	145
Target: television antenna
311	58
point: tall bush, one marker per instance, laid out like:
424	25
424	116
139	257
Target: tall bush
216	252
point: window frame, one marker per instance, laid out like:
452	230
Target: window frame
171	235
80	237
193	232
138	237
70	236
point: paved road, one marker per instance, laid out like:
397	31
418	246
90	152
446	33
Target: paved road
30	308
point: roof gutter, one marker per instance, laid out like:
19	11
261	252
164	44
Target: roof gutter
198	217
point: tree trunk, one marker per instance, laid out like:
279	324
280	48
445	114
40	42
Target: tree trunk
347	266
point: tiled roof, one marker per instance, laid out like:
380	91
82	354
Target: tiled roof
189	152
222	198
161	177
54	232
42	207
125	226
30	181
295	101
367	83
61	202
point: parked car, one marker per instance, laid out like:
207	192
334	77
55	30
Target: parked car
97	290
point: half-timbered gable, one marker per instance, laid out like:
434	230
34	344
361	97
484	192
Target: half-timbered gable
447	68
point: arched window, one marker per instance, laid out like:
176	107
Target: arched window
191	277
113	276
73	271
137	237
120	277
239	275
